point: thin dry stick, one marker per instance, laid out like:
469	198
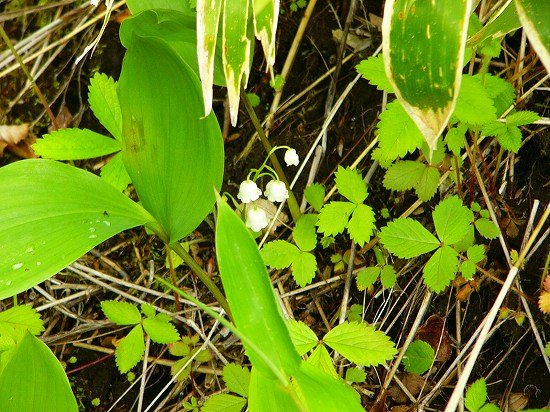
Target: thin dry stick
143	379
347	287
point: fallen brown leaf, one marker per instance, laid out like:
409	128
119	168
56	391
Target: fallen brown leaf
435	333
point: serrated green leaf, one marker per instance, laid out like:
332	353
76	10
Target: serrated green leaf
522	118
304	232
474	106
75	144
355	375
451	220
428	183
15	321
130	349
455	138
407	238
476	253
487	228
179	368
534	16
361	225
494	128
418	357
321	359
509	137
467	269
351	185
373	70
334	217
467	241
501	91
237	378
397	134
388	276
367	276
315	194
160	331
279	254
201	355
121	313
441	268
223	402
491	407
148	310
476	396
179	349
115	173
303	338
403	175
103	100
304	267
360	343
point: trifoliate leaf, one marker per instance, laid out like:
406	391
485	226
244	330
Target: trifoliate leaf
360	343
237	378
407	238
373	70
487	228
304	232
397	134
403	175
474	106
321	359
428	183
455	138
522	118
361	224
303	338
367	276
498	89
103	100
160	331
418	357
467	269
451	220
441	268
476	396
223	402
121	313
351	185
388	276
355	375
476	253
304	267
130	349
279	254
334	217
315	194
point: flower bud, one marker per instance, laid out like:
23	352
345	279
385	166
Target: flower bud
291	158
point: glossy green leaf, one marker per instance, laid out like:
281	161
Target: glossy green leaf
75	144
451	220
267	395
418	357
52	214
423	47
237	378
503	21
535	15
407	238
388	276
137	6
441	268
121	313
130	349
34	381
166	138
103	101
303	338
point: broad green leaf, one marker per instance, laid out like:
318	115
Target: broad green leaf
360	343
130	349
115	173
522	118
52	214
303	338
503	21
223	402
373	70
34	381
355	375
304	232
451	220
428	183
121	313
334	217
535	15
351	185
441	268
256	315
403	175
268	395
103	101
407	238
397	134
367	276
304	267
321	359
476	395
279	254
362	223
16	321
75	144
423	47
418	357
159	331
388	276
487	228
315	194
474	105
173	155
137	6
237	378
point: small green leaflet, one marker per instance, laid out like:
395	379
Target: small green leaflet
373	70
351	185
407	238
321	359
223	402
355	375
474	105
388	276
160	330
487	228
418	357
304	232
315	194
476	396
441	268
103	99
303	338
237	378
367	276
361	224
408	174
451	220
130	349
334	217
121	313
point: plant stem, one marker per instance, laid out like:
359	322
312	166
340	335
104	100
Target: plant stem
189	261
292	202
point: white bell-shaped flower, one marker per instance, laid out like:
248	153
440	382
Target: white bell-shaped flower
256	218
276	191
291	157
248	191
